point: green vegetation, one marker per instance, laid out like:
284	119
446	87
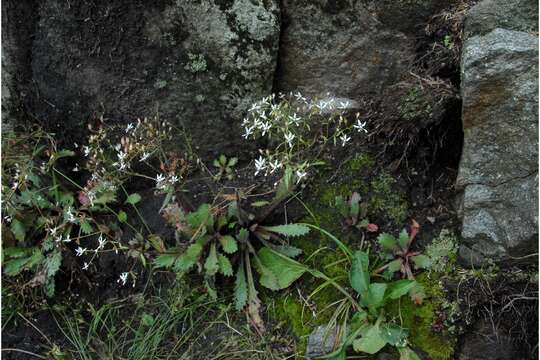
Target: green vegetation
196	64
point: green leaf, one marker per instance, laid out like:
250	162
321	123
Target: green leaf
287	250
405	353
14	267
223	159
228	243
14	252
359	274
374	298
395	265
165	260
225	266
53	262
185	261
240	288
394	335
260	203
354	203
18	229
86	227
211	265
421	261
288	230
285	186
216	163
122	216
284	269
341	206
267	278
399	288
232	161
201	217
387	241
371	341
403	239
156	242
133	199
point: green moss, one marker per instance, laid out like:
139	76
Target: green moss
386	200
361	161
418	319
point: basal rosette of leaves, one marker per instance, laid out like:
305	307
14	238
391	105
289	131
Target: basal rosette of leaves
46	213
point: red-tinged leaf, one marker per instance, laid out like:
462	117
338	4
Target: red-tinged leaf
372	228
83	198
415	227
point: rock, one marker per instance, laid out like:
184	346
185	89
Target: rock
518	15
198	64
498	172
18	20
486	343
322	341
340	48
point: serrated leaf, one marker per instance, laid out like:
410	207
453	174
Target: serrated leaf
165	260
240	288
15	266
287	250
359	274
133	199
285	270
18	229
201	217
225	266
122	216
387	241
421	261
216	163
156	243
288	230
14	252
105	197
185	261
211	265
228	243
399	288
267	277
66	199
395	265
371	341
86	227
403	239
52	263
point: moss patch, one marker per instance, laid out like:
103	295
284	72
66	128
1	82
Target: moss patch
386	200
419	319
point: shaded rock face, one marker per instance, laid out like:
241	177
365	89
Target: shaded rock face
18	20
486	343
198	64
498	172
347	48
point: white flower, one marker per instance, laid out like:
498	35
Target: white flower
265	127
289	137
144	156
101	242
174	179
121	156
67	239
260	165
360	126
53	231
117	147
123	278
274	166
254	107
300	175
80	251
321	105
249	131
15	185
344	139
299	96
86	150
129	127
295	119
85	266
71	218
344	104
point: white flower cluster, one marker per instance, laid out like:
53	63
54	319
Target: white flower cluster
294	124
